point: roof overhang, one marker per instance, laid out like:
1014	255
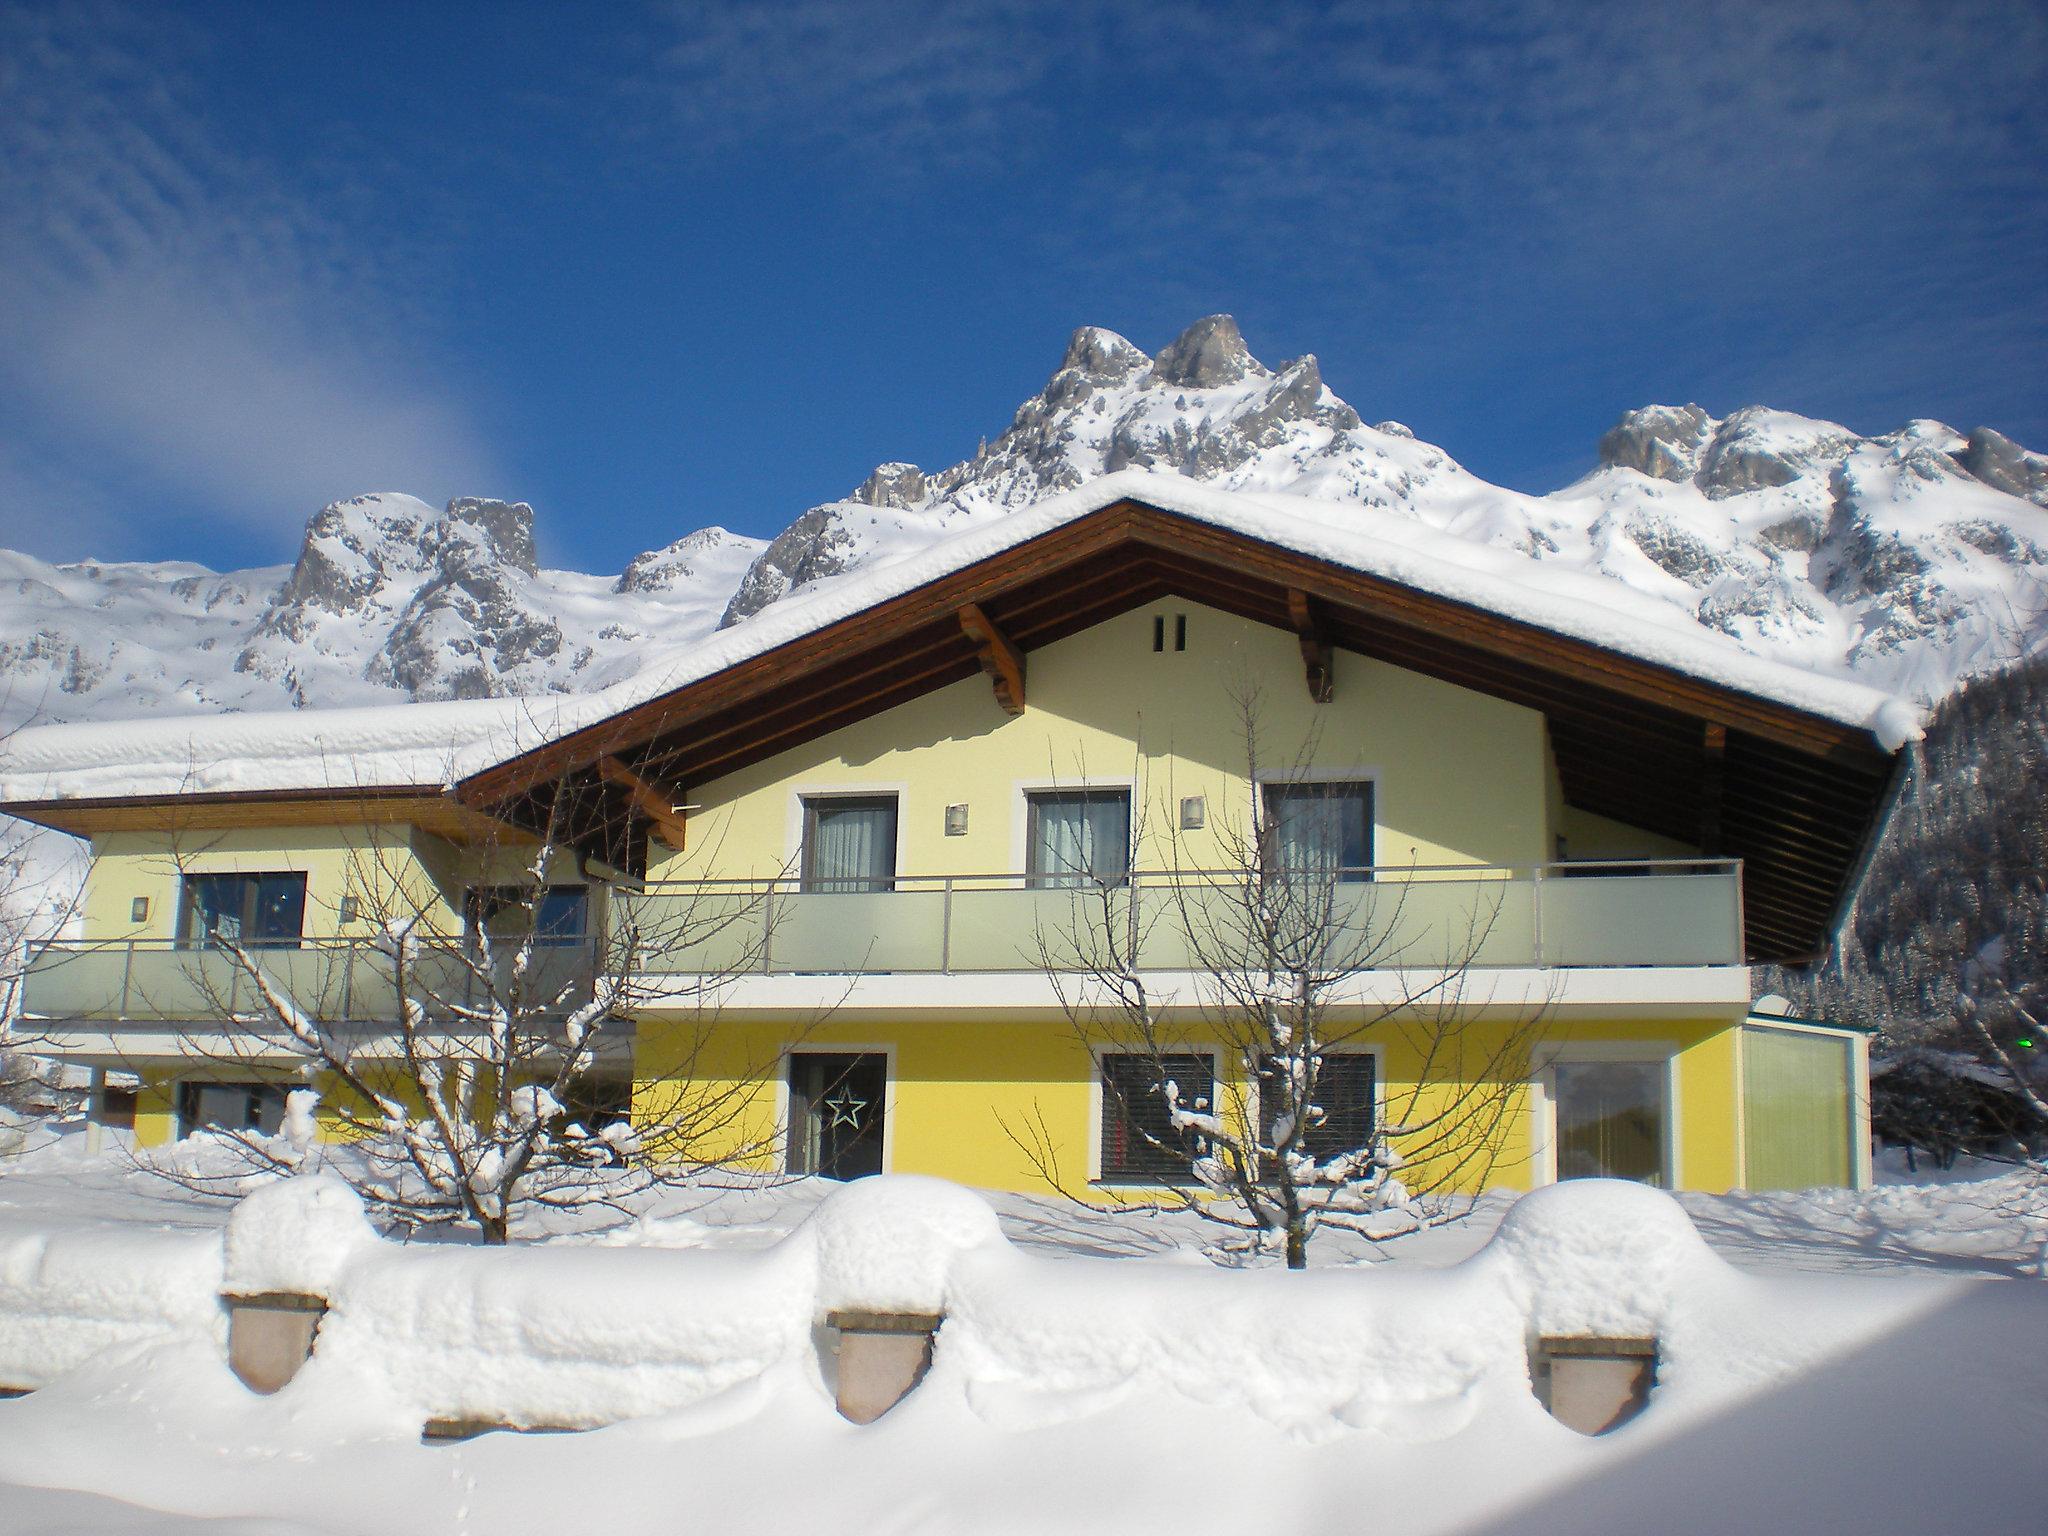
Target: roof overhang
428	807
1792	793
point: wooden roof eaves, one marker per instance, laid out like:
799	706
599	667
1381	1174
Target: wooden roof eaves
1175	537
53	813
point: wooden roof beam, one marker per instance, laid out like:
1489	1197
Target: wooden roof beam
1713	774
671	822
1002	661
1317	659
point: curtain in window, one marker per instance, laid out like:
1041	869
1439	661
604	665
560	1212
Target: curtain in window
1320	829
1795	1112
1610	1120
245	909
853	845
1080	836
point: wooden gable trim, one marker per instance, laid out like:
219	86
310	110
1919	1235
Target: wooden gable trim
1131	523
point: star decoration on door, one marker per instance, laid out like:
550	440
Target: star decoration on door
846	1110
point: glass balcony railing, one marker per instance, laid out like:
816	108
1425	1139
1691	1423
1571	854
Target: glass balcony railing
1663	913
332	981
1641	913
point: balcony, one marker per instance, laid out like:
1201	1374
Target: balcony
1556	916
1642	913
335	981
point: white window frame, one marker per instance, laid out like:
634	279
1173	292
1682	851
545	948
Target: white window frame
1316	773
1543	1098
1860	1132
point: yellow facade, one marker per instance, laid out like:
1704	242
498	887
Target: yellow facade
1458	777
1001	1105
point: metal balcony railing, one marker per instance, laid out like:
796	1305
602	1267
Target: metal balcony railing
333	980
1583	914
1640	913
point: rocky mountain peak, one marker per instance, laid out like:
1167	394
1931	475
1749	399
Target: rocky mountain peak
1102	357
1207	355
1661	441
2005	466
1906	560
503	528
704	555
892	485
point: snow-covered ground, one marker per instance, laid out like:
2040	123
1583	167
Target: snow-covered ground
1833	1361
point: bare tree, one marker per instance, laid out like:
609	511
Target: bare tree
1309	972
39	895
460	1068
2007	1028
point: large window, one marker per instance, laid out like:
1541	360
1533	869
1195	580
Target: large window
265	910
1797	1115
1320	830
1139	1142
1610	1118
558	916
849	843
1078	837
1344	1091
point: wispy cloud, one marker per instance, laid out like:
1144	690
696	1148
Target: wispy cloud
177	314
1850	178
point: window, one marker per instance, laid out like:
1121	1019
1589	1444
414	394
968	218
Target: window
116	1108
836	1107
1078	837
267	910
849	843
1610	1120
1139	1143
1345	1087
1798	1118
557	915
1320	830
255	1107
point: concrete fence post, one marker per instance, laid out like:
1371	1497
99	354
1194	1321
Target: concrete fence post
270	1335
882	1356
1593	1385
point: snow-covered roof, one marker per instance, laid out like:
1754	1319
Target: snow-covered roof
396	746
425	744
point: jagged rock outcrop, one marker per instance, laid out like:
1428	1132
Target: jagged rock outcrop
2004	465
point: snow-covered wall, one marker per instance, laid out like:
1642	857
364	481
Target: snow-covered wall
73	1295
578	1335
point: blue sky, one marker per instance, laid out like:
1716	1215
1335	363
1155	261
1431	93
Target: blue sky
653	266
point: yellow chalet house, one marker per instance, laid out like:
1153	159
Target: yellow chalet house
906	795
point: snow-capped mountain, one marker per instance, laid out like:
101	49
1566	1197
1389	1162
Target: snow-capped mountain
1906	560
390	599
